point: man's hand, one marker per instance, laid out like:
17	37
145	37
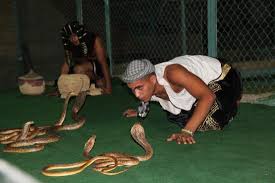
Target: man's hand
130	113
100	83
181	138
106	90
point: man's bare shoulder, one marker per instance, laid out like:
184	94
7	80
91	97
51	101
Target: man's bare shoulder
173	70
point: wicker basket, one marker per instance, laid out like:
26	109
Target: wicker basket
31	84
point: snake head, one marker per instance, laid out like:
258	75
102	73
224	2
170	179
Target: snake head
89	146
138	134
137	129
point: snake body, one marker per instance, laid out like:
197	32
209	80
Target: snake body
79	120
75	168
27	139
138	134
32	145
106	162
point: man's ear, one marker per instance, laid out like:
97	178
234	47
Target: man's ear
153	78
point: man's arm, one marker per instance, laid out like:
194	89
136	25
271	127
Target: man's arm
180	78
101	57
65	66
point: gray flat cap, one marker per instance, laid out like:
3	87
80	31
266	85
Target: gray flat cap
136	70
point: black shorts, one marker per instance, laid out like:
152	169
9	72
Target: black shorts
228	91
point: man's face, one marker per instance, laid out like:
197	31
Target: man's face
74	39
143	89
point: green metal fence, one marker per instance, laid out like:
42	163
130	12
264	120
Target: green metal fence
239	31
246	38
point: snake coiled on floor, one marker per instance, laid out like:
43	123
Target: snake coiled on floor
106	162
29	138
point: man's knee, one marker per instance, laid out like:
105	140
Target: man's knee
83	68
78	69
86	69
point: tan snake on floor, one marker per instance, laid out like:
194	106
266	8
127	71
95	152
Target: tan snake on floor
107	162
26	139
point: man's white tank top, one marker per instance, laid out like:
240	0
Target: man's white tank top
206	68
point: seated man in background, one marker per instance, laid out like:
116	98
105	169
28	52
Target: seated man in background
198	92
85	54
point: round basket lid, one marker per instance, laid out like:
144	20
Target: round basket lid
31	76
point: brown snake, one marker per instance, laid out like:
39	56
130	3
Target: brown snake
107	162
26	139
